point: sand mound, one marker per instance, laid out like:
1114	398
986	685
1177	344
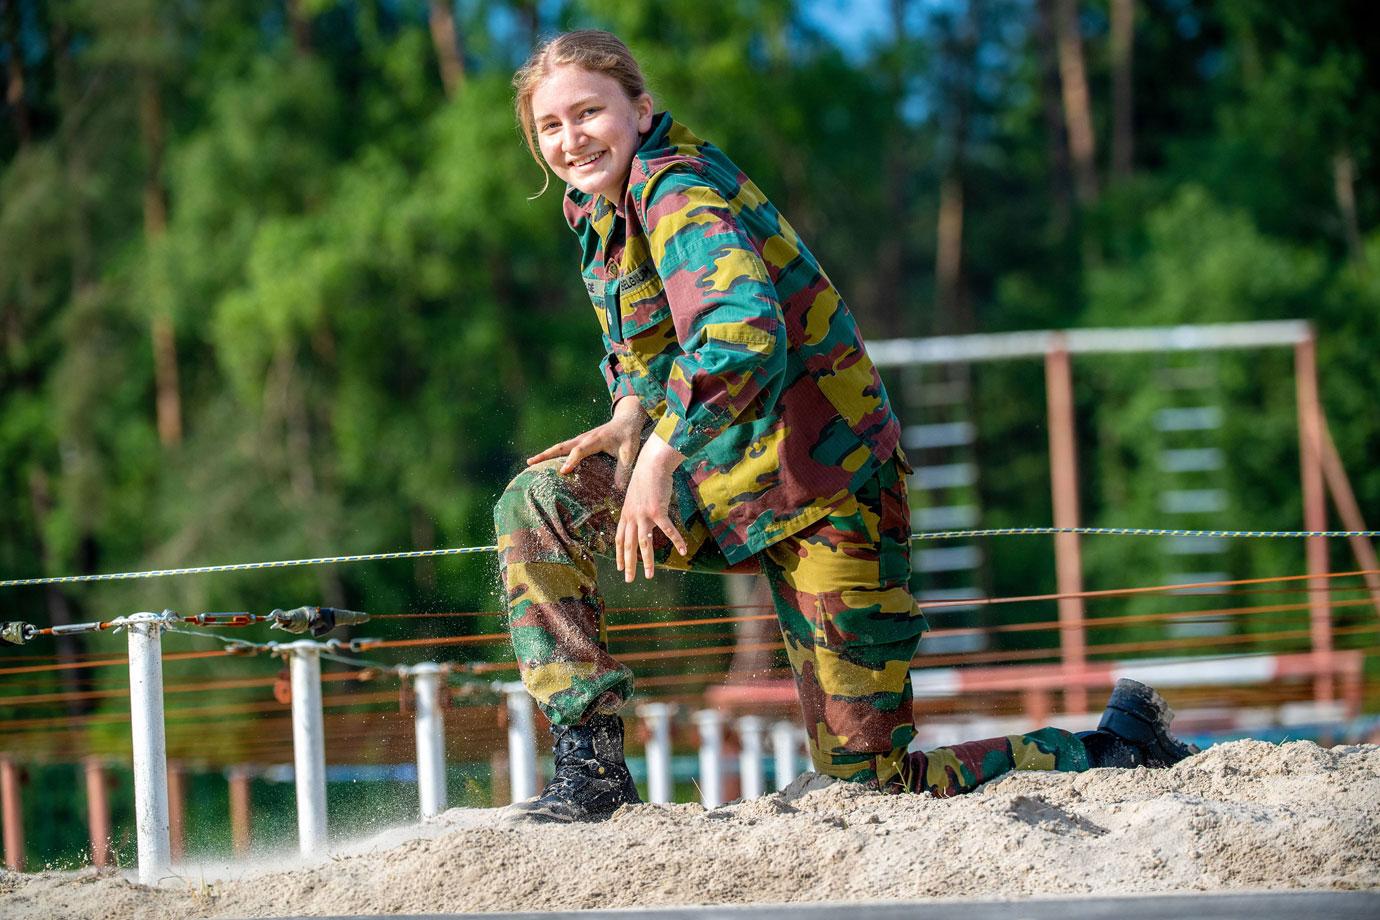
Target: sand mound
1241	815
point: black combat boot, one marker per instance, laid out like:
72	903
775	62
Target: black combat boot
591	778
1134	731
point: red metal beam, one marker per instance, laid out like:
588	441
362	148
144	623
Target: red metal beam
13	814
1314	511
1038	678
1350	512
98	811
177	810
238	778
1068	563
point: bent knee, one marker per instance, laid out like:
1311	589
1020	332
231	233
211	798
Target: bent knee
530	491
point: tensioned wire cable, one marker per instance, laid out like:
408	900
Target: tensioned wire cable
1216	590
372	668
93	660
470	550
250	566
356	699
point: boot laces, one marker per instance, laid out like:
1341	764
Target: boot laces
575	766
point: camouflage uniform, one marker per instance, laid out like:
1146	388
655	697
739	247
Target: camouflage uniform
719	320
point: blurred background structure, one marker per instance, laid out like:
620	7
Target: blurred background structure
272	287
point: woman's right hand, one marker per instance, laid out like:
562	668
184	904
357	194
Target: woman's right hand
620	437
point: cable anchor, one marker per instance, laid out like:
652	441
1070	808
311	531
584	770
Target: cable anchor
164	620
16	632
317	620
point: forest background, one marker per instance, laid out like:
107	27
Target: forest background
273	283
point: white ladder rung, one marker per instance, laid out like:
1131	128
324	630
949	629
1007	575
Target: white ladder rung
1192	501
1191	460
949	594
945	434
1194	377
944	517
953	643
948	559
1195	546
1198	418
945	476
943	394
1198	627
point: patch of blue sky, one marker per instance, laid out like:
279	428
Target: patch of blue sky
856	27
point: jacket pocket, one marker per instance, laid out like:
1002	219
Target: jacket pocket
642	300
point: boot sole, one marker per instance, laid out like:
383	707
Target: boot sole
535	811
1140	715
547	814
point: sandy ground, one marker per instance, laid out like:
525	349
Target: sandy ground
1245	815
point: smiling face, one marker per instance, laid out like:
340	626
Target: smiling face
587	129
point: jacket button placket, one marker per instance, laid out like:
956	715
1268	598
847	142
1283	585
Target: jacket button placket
611	306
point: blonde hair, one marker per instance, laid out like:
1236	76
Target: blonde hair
593	49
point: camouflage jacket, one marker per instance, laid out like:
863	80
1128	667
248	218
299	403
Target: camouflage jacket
720	321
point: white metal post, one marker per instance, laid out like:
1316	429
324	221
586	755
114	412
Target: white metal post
430	729
659	781
750	755
711	725
522	742
783	753
150	747
308	746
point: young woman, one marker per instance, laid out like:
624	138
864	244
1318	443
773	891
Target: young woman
750	431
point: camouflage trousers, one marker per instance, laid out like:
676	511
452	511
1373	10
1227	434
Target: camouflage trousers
841	592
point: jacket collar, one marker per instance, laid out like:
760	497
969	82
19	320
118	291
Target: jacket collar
665	142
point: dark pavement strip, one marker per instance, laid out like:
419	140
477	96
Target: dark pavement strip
1333	905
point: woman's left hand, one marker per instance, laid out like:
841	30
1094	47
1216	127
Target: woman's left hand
646	509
